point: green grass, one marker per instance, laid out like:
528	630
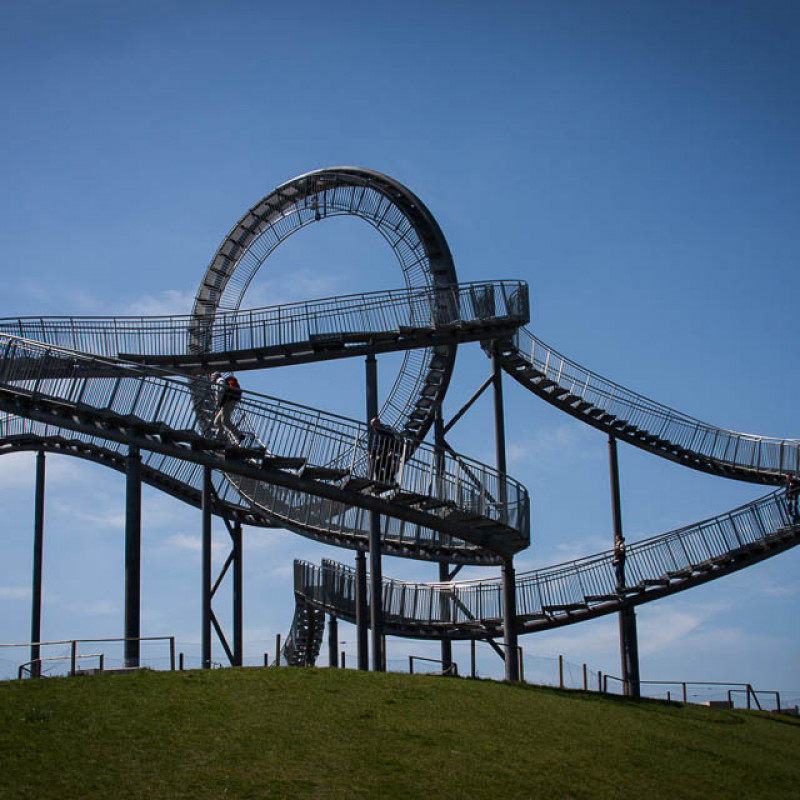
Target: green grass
251	733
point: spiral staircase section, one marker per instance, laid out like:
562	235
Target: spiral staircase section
302	452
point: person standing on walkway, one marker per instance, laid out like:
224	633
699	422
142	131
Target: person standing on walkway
227	394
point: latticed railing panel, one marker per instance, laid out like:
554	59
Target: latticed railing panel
497	302
285	430
318	518
557	590
746	451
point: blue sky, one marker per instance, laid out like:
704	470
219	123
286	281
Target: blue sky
636	162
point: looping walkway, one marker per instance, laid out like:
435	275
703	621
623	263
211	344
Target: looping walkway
96	387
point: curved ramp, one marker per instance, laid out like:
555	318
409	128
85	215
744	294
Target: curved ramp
307	452
644	423
570	592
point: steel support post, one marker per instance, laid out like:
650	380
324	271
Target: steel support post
508	573
629	650
628	639
375	566
444	569
238	595
333	642
510	619
205	507
133	555
38	549
362	611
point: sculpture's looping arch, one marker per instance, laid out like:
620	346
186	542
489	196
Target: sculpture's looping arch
396	213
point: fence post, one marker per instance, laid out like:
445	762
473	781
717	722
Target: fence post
344	662
472	657
560	671
684	692
521	664
411	665
599	681
73	655
172	653
585	679
277	649
180	661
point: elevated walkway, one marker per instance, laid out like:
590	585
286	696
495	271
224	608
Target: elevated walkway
570	592
644	423
306	453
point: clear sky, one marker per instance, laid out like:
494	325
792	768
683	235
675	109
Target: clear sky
636	162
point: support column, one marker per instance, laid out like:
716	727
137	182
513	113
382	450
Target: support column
205	633
375	566
362	611
509	580
238	595
333	642
133	555
38	550
628	639
510	619
444	570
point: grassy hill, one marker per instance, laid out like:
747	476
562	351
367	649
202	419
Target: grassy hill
251	733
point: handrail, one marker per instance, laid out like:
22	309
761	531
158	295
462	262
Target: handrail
273	326
766	456
281	427
554	592
183	480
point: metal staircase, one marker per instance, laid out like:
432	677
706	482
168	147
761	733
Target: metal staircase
305	636
641	422
307	453
573	591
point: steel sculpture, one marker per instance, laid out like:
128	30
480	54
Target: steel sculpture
131	393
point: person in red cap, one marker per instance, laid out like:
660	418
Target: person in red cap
227	394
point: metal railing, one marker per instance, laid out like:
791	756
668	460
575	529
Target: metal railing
33	666
563	588
344	317
323	519
286	430
725	447
447	668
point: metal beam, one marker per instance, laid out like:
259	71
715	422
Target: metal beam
509	582
628	638
238	595
133	555
362	611
444	567
333	642
205	599
38	549
375	565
